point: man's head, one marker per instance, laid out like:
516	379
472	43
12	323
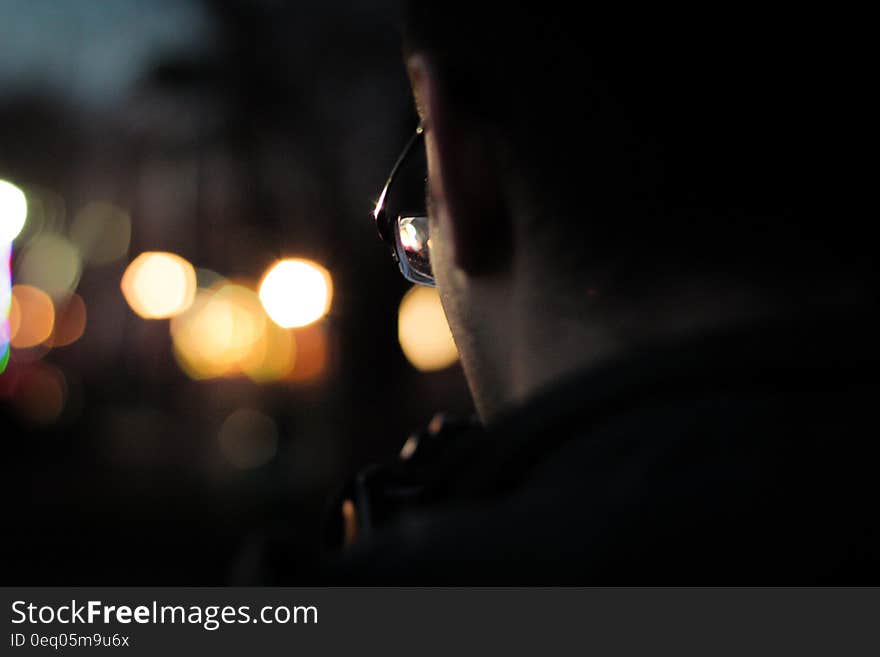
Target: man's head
581	166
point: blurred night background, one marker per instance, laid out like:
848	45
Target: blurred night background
172	400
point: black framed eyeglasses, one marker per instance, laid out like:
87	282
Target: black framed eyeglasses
407	236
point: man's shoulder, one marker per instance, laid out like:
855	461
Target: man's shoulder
725	468
701	507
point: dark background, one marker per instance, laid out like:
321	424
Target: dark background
233	133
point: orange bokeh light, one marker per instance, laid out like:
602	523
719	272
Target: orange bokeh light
70	322
311	353
34	316
14	316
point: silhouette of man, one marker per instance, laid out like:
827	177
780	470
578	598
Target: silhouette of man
640	230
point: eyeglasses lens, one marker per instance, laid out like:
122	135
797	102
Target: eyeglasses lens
414	244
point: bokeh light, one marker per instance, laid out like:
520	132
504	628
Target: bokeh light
102	232
311	353
423	331
272	357
34	316
248	321
50	262
13	211
40	394
14	317
200	336
159	285
70	321
208	278
248	438
5	304
46	214
220	332
296	292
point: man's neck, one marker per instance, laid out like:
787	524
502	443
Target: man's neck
536	342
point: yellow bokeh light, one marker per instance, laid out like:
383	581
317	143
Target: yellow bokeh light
52	263
296	292
13	211
32	317
248	320
199	337
220	333
159	285
423	331
272	357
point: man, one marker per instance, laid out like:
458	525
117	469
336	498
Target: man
638	226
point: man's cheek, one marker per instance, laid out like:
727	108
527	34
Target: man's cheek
436	191
439	248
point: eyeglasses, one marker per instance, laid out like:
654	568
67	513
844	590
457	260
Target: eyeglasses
407	236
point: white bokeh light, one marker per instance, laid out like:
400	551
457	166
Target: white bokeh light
296	292
158	285
13	211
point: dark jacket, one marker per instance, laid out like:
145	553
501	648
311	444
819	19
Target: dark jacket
747	457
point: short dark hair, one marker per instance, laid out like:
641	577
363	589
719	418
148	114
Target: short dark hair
712	139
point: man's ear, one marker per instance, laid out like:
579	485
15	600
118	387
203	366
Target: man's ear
463	176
